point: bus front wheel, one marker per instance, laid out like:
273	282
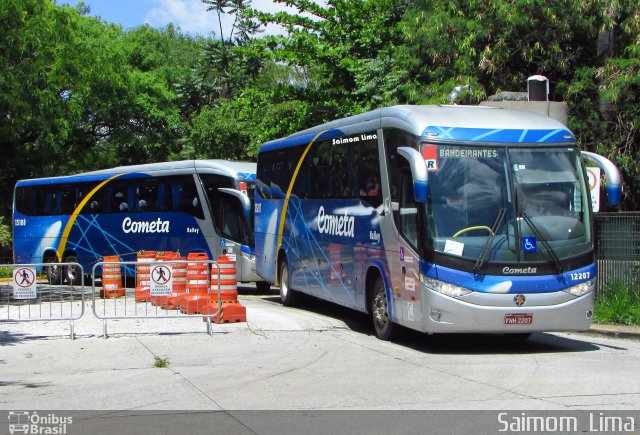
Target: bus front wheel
385	329
288	297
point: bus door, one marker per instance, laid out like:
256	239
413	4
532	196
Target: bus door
402	245
229	211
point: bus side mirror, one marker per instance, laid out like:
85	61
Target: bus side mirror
244	200
418	172
611	175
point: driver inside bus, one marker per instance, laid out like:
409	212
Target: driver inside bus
449	211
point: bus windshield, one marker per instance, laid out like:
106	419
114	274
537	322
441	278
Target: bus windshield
501	204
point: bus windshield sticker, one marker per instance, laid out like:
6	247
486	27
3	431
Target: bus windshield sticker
454	248
475	153
409	284
529	244
430	155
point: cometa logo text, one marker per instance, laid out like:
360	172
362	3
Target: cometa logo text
157	226
335	225
519	270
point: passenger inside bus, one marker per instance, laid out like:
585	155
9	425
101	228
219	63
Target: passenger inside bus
142	204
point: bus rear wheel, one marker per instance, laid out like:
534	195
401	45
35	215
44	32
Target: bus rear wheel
288	296
72	273
53	272
385	329
263	286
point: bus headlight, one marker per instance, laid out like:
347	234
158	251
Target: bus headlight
444	288
582	288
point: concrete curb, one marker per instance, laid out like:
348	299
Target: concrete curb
628	332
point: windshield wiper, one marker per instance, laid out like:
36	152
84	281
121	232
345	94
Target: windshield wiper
547	246
482	258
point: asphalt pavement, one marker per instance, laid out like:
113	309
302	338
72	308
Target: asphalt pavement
304	359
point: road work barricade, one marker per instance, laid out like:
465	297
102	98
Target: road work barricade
166	279
40	292
223	299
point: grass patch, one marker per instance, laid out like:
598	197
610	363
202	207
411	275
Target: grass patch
161	363
6	272
618	306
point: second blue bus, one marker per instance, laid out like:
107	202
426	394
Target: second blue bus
186	206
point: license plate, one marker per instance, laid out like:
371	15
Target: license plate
518	319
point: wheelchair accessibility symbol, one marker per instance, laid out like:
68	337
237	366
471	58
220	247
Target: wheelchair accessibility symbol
529	244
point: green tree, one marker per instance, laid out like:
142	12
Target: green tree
5	234
77	93
338	48
603	95
37	67
491	45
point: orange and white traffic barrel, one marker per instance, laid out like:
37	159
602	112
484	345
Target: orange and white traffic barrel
143	275
111	278
231	309
228	281
197	295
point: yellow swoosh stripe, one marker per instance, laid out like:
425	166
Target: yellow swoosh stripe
74	216
293	180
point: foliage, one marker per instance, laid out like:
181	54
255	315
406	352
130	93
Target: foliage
77	93
160	363
619	305
491	45
6	272
5	234
336	48
603	97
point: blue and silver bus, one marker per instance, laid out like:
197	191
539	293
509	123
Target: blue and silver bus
438	218
185	206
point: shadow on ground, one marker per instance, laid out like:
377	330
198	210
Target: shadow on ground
455	344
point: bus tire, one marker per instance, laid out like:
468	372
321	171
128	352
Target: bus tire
288	296
263	286
384	328
72	274
53	272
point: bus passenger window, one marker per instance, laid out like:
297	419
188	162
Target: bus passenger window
185	197
231	218
148	195
96	204
118	199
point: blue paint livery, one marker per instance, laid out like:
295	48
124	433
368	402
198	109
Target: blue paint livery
502	135
519	283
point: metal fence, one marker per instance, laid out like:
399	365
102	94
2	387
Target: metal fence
618	251
124	302
205	289
30	296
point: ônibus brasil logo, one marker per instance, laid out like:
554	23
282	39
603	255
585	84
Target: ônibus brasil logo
33	423
336	225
